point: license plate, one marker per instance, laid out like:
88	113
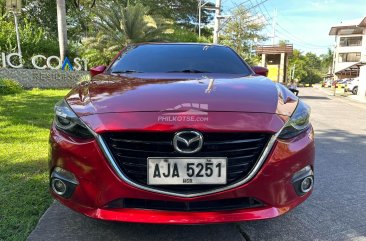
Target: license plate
186	171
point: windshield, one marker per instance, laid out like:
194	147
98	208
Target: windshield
179	58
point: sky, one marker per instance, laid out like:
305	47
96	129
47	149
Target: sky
305	23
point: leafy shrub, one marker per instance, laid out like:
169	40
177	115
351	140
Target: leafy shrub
180	34
8	86
312	77
33	40
98	50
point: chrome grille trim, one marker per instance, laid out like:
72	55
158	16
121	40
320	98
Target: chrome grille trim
252	173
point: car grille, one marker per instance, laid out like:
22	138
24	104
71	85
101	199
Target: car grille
216	205
131	150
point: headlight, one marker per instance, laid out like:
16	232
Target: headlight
298	122
67	121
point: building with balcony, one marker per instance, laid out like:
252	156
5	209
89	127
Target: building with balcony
350	48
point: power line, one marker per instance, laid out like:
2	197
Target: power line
238	5
247	9
224	1
259	12
266	15
257	15
300	40
297	42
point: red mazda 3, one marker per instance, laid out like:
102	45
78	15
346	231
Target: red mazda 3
181	133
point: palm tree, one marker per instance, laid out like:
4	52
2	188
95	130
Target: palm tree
128	24
99	50
62	31
327	60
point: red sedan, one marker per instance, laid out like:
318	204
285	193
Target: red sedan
181	134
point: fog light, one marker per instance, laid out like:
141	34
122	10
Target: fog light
306	184
63	182
303	181
58	186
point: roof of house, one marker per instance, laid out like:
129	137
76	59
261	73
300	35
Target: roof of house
350	24
353	67
275	49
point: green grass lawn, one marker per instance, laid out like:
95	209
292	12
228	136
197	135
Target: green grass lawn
24	129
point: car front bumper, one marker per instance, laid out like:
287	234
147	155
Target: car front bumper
98	184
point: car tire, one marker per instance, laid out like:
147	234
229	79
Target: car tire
355	90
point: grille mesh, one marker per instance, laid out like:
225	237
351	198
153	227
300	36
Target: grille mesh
216	205
131	150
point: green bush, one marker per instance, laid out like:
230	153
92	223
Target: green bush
33	40
8	86
180	34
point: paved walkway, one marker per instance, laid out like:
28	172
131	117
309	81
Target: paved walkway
335	211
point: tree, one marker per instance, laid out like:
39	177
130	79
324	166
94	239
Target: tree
128	24
307	67
33	39
99	50
327	61
182	12
242	31
118	26
42	13
62	31
2	7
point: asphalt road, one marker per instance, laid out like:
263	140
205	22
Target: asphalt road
335	211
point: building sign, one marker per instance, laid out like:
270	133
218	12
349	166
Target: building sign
15	60
49	79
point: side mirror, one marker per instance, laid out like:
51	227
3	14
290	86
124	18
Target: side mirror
97	70
258	70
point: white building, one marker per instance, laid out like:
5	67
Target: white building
350	48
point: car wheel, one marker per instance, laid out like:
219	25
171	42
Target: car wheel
355	90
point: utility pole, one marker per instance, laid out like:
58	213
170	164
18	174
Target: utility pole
17	32
255	40
199	17
217	22
274	26
61	27
200	6
293	72
15	7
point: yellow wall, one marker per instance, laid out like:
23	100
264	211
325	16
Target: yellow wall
273	72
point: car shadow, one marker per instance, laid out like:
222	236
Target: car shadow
335	209
313	97
61	223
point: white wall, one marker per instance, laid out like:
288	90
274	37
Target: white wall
362	49
362	82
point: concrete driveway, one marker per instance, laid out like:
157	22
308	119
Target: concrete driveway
335	211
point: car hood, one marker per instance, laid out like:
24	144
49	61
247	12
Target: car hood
192	93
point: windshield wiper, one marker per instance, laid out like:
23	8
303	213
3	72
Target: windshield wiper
125	72
188	71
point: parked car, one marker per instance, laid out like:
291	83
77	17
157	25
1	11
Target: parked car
342	81
181	134
348	82
353	86
327	83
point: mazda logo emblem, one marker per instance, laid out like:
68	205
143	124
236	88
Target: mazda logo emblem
188	142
